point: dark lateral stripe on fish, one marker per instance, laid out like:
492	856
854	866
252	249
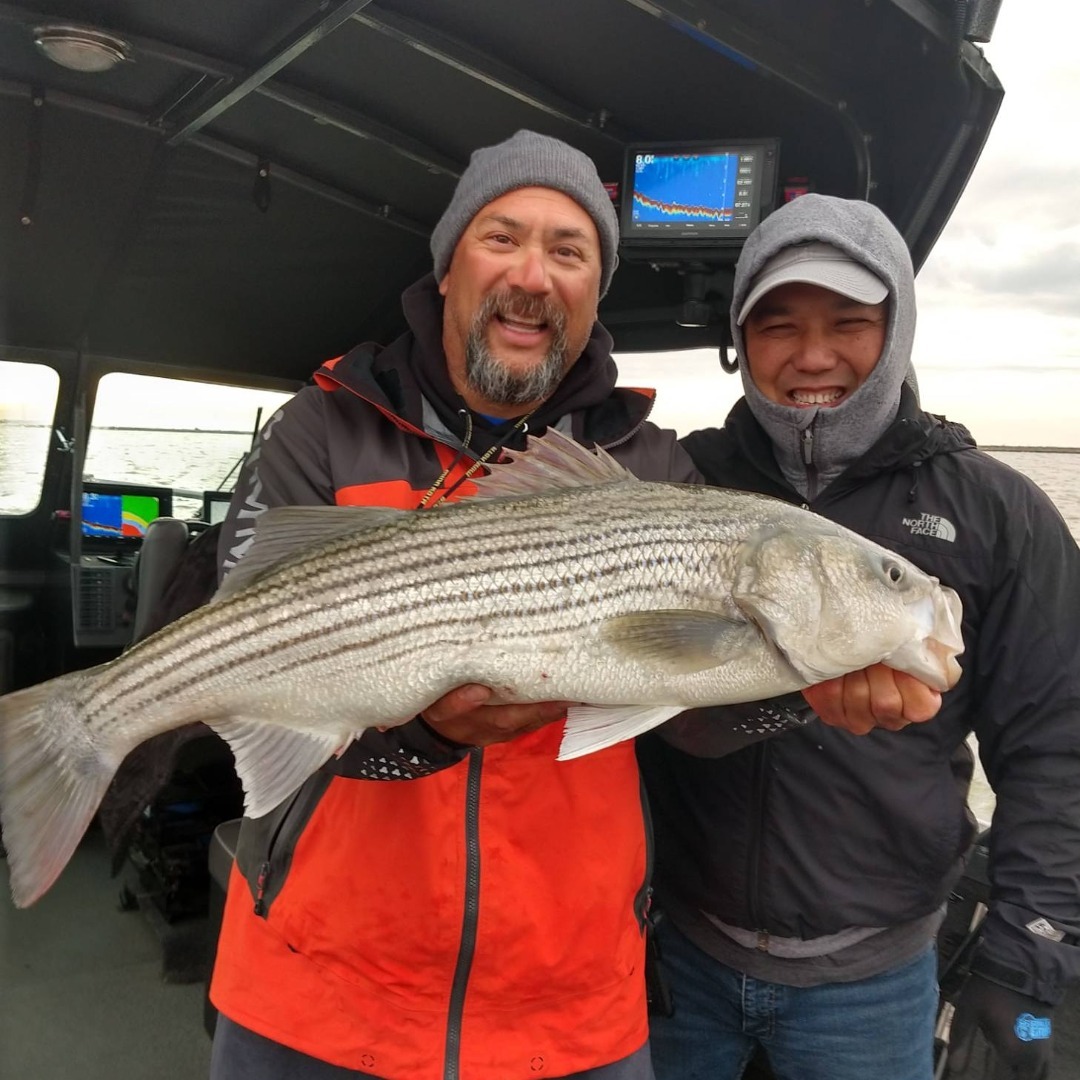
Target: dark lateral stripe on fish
415	627
125	679
329	574
336	572
282	647
353	646
354	571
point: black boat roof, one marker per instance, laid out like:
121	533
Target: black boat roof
130	204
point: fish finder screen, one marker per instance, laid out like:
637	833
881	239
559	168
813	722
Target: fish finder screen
121	512
697	192
117	515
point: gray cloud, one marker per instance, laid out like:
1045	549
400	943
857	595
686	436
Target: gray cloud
1005	191
1045	280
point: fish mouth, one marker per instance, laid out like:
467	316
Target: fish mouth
932	658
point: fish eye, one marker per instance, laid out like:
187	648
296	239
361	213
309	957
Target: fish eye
894	572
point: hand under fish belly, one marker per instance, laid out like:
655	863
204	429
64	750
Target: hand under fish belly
566	579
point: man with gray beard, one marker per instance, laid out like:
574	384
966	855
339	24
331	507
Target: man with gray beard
485	919
490	378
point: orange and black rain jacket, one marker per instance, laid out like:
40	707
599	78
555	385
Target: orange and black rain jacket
421	910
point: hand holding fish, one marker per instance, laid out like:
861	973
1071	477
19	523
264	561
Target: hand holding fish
875	697
859	702
464	716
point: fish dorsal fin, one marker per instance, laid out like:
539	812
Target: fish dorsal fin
551	462
285	531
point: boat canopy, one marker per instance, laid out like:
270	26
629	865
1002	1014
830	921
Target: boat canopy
248	185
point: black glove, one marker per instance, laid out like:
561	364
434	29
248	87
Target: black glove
999	1034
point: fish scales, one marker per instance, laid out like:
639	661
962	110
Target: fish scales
331	576
639	599
395	604
422	581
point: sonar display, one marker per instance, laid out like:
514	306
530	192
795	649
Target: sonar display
117	516
681	189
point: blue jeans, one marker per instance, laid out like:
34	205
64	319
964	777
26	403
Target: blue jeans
881	1028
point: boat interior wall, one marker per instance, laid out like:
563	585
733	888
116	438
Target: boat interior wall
253	187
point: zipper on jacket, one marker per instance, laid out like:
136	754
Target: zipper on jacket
260	888
452	1068
808	461
632	432
262	879
643	899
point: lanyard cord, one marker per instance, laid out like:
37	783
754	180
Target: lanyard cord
521	425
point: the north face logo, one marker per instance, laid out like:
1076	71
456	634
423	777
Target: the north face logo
1045	928
932	525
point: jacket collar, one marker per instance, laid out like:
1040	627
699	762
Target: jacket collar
913	436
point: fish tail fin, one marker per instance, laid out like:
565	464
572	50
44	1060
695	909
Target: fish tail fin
52	779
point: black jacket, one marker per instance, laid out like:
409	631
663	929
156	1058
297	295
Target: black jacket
817	831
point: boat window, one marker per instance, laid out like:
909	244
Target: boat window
28	395
181	434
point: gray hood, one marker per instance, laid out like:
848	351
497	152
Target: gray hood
843	433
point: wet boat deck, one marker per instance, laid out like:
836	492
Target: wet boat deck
82	992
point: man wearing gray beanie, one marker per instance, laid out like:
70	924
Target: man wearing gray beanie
804	879
446	899
528	160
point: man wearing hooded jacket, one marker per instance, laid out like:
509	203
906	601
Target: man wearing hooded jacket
485	918
803	879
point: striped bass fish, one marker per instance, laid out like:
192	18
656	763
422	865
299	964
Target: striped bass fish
566	579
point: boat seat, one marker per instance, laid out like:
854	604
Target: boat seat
175	573
173	790
162	549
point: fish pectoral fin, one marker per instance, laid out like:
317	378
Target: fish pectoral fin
594	727
679	642
285	531
273	761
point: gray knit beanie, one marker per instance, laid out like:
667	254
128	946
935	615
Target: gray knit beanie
528	160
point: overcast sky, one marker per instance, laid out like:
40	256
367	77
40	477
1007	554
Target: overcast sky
998	339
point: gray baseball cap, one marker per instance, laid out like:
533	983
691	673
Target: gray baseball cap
816	263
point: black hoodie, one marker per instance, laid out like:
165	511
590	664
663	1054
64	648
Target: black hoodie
819	832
